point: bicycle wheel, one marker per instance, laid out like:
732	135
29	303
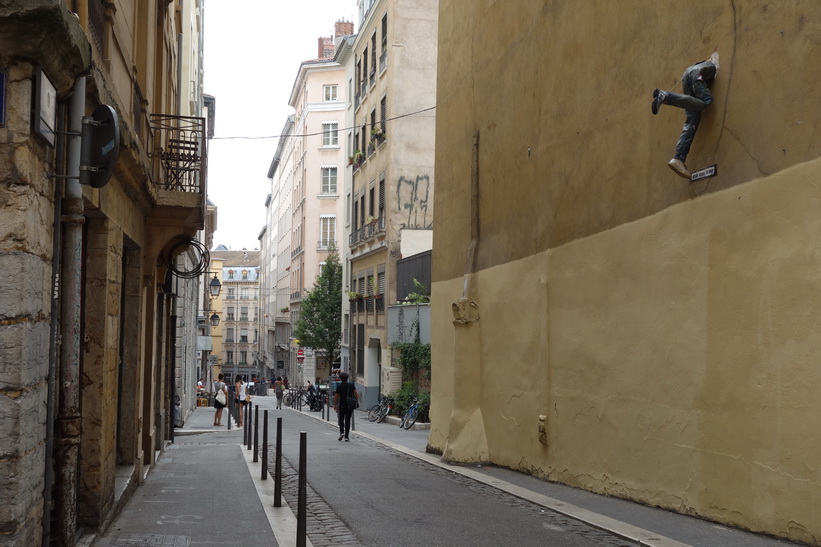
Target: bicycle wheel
410	417
373	413
383	412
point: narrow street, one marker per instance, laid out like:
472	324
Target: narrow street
377	489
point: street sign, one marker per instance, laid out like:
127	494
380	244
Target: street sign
300	358
707	172
300	352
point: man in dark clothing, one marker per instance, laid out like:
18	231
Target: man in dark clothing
346	399
695	82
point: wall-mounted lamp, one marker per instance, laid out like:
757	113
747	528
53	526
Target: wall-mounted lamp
214	319
215	287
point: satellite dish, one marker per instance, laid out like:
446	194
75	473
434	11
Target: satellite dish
100	147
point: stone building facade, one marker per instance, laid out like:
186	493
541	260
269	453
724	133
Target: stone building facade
596	319
390	183
88	295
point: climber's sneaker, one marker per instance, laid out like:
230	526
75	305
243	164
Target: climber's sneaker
678	166
659	97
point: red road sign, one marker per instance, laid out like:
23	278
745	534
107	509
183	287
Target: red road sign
300	358
300	352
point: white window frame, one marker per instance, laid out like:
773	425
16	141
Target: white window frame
330	92
328	169
327	231
330	133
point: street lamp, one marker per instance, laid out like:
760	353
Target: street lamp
214	286
214	320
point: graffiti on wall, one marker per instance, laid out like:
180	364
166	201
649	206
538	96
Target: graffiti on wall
412	195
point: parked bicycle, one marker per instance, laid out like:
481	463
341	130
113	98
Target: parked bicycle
378	412
410	415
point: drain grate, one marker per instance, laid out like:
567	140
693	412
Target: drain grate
153	540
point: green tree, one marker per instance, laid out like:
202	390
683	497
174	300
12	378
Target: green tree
320	314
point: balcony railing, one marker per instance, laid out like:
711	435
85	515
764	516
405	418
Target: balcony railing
179	153
367	232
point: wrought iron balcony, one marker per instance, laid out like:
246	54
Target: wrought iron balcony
179	153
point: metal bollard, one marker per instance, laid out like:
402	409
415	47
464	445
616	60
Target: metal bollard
353	420
265	446
278	466
248	425
302	518
256	434
230	410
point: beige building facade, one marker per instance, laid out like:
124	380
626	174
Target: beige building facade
599	321
305	206
91	286
391	154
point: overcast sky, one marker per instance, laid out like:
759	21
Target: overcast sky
253	49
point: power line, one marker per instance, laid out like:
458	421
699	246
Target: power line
321	132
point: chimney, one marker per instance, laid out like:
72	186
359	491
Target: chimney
343	28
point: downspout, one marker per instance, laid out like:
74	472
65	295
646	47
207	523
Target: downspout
54	328
68	418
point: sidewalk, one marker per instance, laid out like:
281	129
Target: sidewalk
206	489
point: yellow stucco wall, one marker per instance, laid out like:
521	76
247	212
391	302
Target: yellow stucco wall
668	331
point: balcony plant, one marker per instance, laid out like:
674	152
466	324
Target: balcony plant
377	133
354	296
370	219
356	159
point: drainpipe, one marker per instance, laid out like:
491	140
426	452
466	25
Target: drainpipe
68	412
54	328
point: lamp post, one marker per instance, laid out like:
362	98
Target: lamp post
214	287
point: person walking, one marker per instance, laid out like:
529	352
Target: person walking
278	391
346	400
221	394
695	82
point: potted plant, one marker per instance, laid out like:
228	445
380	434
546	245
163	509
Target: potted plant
356	159
370	219
284	310
377	133
353	296
376	294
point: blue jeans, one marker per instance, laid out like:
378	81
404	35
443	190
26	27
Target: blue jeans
695	99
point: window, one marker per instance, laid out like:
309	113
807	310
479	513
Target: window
230	357
329	180
383	113
329	92
230	313
243	357
229	335
327	230
243	314
243	337
382	195
230	274
243	294
330	134
230	293
383	54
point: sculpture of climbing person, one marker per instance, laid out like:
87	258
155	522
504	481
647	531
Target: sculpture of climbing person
696	82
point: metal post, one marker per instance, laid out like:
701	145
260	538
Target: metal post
301	518
353	420
248	421
278	466
256	434
265	446
230	408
